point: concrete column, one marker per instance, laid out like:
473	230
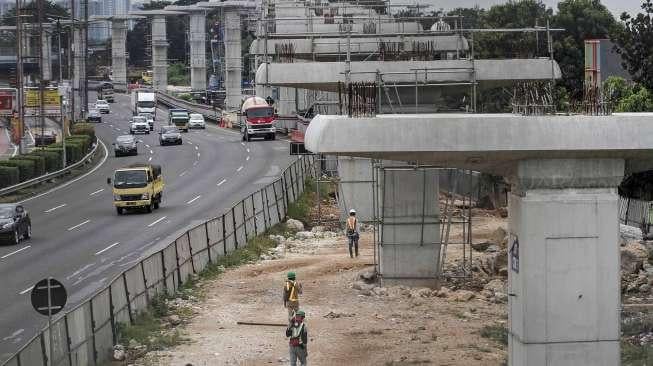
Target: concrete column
233	59
356	187
563	277
409	235
46	50
198	50
79	69
118	54
159	53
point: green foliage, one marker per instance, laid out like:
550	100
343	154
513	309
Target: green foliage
634	39
84	140
185	96
39	163
84	129
25	168
9	176
497	333
628	97
52	159
635	354
178	74
148	330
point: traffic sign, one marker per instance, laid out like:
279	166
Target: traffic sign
49	294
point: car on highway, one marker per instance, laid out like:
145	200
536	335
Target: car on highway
125	145
94	116
196	120
102	105
139	125
169	135
44	138
15	223
149	117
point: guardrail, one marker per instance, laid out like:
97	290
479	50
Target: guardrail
48	176
86	334
206	110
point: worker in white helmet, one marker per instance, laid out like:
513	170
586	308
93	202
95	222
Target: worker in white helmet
352	233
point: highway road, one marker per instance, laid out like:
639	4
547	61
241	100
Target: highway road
80	240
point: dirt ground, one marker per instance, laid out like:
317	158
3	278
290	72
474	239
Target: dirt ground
346	326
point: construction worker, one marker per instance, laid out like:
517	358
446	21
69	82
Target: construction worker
298	339
352	232
291	291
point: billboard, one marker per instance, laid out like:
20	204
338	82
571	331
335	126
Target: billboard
7	101
51	106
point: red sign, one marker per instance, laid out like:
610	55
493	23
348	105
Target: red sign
7	101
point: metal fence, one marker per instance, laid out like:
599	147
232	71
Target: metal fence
86	334
634	212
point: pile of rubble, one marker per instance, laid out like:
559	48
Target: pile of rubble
298	240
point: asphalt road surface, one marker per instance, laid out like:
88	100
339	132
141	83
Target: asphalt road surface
80	240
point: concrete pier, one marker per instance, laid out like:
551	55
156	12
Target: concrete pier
563	276
563	258
46	52
198	50
233	58
118	54
159	53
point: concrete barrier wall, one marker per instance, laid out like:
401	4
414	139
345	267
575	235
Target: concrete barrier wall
85	335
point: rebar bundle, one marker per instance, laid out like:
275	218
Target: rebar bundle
359	99
390	51
533	98
597	101
284	52
423	50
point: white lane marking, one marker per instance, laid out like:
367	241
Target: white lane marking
149	159
56	207
198	155
106	155
190	142
183	173
107	248
197	148
16	251
247	150
96	192
222	182
110	125
242	143
247	158
78	225
157	221
151	151
117	129
239	168
13	335
148	146
193	200
77	272
195	163
26	290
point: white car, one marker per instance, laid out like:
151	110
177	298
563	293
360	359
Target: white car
102	106
139	125
149	118
196	120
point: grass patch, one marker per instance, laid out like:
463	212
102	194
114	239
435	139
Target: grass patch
301	209
636	355
148	330
497	333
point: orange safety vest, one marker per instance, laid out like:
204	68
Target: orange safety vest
291	289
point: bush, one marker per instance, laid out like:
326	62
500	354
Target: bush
52	159
39	162
9	176
83	129
85	141
25	168
74	151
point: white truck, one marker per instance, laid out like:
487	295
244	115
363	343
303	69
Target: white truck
144	101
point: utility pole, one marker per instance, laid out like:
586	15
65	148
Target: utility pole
71	62
42	82
19	76
85	76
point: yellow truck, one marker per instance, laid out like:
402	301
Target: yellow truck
137	186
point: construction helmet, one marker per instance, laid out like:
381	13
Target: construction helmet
352	212
300	313
291	275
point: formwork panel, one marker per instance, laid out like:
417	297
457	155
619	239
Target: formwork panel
249	217
153	268
31	355
170	260
59	342
185	264
198	243
215	237
230	233
136	288
260	216
118	296
240	225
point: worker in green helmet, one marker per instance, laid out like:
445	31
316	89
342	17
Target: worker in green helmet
298	334
291	291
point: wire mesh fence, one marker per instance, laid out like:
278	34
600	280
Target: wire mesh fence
86	334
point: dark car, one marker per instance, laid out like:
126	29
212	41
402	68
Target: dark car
169	135
45	139
125	145
15	223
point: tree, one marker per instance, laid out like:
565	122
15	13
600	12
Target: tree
635	44
581	20
29	12
628	97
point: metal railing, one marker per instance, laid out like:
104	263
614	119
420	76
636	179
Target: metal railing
48	176
634	212
206	110
86	334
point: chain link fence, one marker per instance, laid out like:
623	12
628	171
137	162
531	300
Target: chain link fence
86	334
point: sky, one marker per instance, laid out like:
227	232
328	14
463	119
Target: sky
615	6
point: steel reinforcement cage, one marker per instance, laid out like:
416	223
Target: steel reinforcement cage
86	334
